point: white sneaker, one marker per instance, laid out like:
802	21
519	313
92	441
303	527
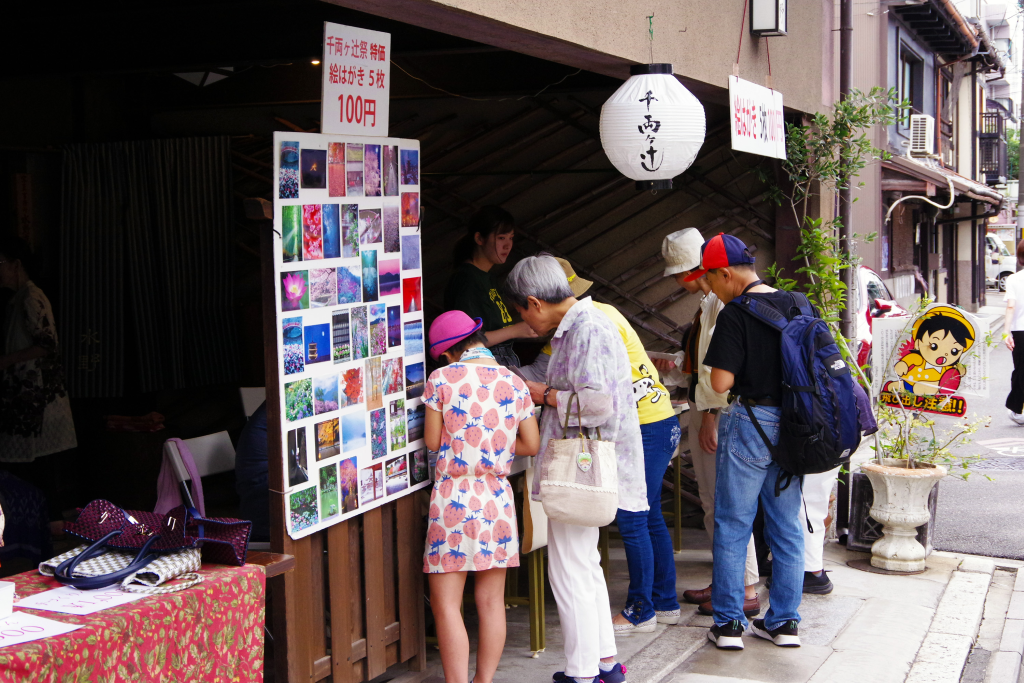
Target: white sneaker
643	627
1016	418
668	616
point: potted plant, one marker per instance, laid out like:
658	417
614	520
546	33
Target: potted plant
913	451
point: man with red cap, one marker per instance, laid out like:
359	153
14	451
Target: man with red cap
745	359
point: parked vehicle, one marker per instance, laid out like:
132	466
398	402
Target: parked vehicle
873	300
999	262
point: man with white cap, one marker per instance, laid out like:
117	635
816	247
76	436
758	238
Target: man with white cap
682	253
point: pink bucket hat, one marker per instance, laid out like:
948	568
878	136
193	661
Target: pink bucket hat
448	329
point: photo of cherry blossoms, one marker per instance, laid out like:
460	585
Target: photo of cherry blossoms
312	232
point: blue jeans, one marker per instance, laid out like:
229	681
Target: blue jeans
745	470
649	555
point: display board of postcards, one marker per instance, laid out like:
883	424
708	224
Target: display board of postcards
349	311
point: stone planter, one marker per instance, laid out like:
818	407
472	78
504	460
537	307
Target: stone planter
901	505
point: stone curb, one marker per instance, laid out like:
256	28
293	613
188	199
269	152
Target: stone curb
954	627
1005	664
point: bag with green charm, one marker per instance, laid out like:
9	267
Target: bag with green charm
579	481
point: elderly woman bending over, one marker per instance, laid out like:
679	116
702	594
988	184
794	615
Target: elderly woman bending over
588	358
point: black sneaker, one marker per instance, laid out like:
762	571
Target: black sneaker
786	635
728	636
817	585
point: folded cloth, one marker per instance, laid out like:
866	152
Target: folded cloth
180	564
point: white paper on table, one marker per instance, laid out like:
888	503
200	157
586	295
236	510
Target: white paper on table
73	601
23	628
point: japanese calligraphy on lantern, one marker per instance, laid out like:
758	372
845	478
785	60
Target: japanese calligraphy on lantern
357	81
755	117
931	362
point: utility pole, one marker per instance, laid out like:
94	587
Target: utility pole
845	199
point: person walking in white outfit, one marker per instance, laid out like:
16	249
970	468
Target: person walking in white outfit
681	251
1013	335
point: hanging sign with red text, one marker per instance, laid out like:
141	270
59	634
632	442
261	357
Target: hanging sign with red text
755	115
357	81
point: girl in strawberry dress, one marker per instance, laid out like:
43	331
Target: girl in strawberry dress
480	417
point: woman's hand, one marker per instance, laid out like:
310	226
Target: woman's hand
524	331
536	391
1009	341
664	365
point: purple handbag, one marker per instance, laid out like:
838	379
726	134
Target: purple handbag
223	540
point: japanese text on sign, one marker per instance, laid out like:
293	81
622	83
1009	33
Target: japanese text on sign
649	159
756	119
356	81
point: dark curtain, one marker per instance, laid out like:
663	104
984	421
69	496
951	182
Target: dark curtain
146	273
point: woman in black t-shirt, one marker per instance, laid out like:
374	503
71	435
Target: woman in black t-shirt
471	288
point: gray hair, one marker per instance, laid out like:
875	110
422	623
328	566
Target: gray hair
538	276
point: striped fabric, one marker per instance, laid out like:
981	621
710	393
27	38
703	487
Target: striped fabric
147	266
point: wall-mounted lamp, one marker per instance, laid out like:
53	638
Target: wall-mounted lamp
768	17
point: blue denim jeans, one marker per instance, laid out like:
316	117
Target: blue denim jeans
745	470
649	555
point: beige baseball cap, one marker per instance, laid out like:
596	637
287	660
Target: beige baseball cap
577	284
681	251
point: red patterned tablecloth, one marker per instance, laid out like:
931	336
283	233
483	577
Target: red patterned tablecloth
212	632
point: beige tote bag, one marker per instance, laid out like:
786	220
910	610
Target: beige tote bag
579	482
535	522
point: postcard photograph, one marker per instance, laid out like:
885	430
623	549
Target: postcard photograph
370	227
325	394
394	326
328	439
288	180
390	274
396	422
341	346
412	296
378	330
295	290
298	400
410	209
413	337
354	169
313	168
350	288
410	159
298	464
413	380
329	491
371	170
360	333
392	217
417	418
378	434
294	358
349	230
389	170
331	217
350	387
418	466
394	376
353	431
374	384
370	275
323	287
336	169
410	252
348	485
303	509
312	232
291	233
318	343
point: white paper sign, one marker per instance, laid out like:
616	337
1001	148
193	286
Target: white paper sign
755	117
357	81
23	628
73	601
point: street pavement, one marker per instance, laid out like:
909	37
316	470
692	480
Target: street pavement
979	516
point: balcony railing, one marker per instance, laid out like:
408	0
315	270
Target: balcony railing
992	126
993	159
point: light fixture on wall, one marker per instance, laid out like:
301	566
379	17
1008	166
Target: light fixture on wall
768	17
652	127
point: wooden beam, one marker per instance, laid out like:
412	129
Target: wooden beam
338	566
373	575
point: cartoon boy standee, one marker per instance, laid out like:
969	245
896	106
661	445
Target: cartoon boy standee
930	363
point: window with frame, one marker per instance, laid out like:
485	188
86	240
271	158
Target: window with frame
909	84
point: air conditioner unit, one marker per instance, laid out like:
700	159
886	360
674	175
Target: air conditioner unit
922	135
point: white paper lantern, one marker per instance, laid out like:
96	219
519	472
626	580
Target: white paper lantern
652	127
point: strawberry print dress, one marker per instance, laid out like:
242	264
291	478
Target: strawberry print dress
472	519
